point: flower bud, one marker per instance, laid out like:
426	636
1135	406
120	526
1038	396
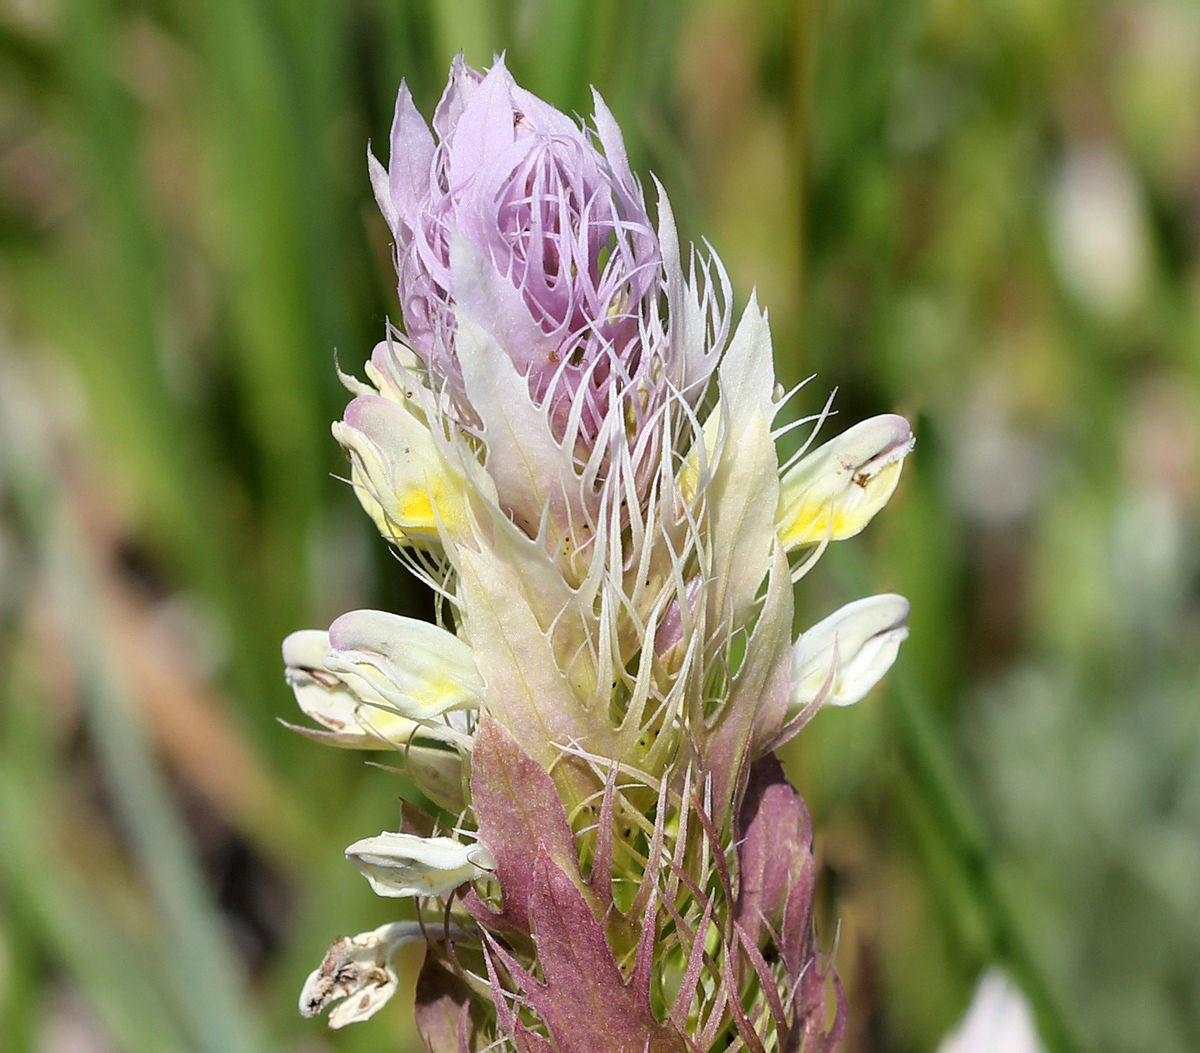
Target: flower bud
835	491
406	865
842	657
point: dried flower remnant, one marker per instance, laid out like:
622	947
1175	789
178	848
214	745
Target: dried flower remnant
574	447
358	975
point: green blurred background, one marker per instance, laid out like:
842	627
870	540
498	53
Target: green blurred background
984	214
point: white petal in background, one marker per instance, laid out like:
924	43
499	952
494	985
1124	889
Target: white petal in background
998	1020
1098	229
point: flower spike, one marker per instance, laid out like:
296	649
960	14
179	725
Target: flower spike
573	445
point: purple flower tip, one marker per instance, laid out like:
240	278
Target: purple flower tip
550	208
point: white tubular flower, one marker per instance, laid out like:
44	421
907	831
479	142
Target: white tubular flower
354	719
353	715
835	491
417	668
358	973
398	865
403	480
845	655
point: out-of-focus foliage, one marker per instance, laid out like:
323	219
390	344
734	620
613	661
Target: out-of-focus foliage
983	215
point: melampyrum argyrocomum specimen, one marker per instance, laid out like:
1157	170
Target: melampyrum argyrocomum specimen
570	442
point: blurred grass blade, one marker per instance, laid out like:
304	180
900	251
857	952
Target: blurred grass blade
470	26
959	832
201	967
41	893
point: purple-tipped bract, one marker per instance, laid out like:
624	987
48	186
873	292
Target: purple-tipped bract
550	222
